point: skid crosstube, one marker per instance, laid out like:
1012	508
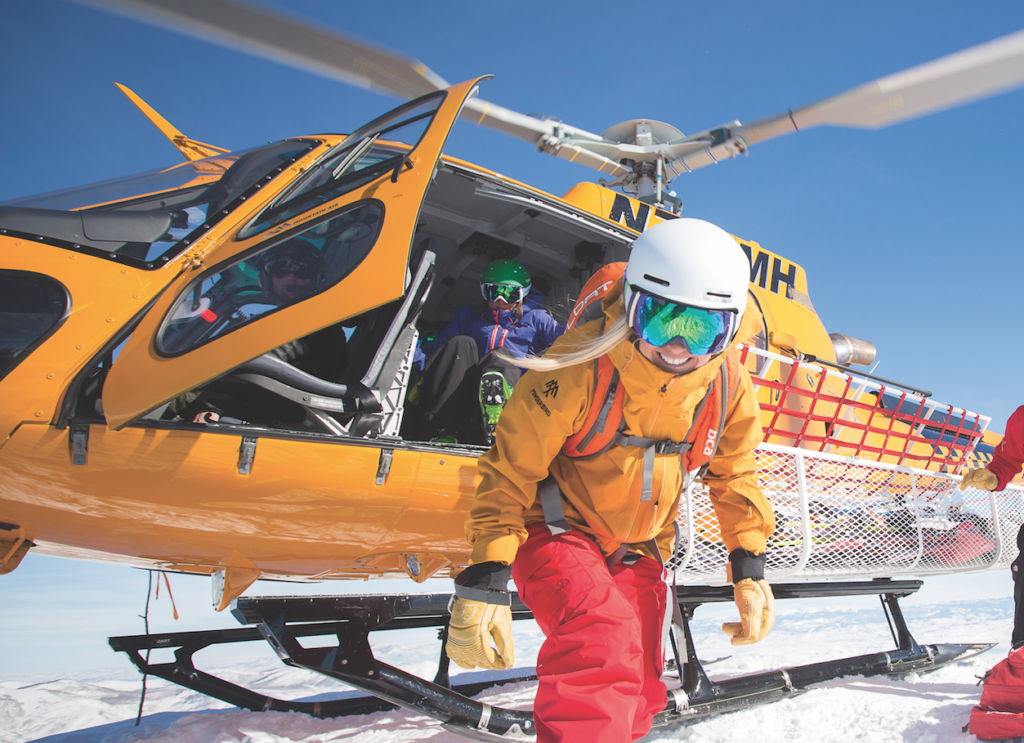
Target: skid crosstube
283	621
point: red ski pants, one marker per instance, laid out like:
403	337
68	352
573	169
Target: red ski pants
601	663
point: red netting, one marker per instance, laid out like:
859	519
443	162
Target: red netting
820	409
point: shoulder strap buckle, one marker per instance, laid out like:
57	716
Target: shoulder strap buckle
668	446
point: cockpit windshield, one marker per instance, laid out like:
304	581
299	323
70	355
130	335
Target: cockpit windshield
362	157
148	219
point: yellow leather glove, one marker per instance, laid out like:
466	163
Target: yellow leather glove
981	479
753	597
470	630
756	603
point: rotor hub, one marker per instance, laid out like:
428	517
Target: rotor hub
643	133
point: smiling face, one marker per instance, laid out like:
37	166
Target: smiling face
673	357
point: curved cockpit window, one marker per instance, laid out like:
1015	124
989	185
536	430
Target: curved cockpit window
148	219
361	158
31	308
294	267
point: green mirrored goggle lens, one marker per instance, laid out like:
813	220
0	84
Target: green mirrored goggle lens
660	322
496	292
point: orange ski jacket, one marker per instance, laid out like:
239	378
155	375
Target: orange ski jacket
602	494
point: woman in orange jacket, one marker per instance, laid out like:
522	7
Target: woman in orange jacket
586	537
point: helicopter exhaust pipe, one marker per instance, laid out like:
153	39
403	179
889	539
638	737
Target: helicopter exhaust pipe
850	350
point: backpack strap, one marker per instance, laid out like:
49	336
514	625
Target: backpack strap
603	421
725	396
550	497
662	446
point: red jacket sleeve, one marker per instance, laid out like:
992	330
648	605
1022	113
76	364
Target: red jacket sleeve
1009	454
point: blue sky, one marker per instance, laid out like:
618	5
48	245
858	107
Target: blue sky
911	236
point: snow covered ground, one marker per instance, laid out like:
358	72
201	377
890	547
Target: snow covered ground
101	706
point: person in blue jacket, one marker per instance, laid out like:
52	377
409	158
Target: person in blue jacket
462	374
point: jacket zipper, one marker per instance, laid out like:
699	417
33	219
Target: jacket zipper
648	524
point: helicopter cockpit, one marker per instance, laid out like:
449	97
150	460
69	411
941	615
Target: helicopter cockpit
149	219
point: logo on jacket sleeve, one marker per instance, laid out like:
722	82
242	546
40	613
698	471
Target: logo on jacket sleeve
551	388
540	403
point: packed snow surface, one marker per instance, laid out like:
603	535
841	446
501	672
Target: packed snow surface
919	708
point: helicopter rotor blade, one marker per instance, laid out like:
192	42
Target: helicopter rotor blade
979	72
291	41
280	38
969	75
550	136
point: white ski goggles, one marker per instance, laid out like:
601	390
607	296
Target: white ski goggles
503	292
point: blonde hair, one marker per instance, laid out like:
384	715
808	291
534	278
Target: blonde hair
580	352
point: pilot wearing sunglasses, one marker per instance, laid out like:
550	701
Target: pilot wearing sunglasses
288	273
291	272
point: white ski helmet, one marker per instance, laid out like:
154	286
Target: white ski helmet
692	262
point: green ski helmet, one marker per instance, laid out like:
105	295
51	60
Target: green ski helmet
505	279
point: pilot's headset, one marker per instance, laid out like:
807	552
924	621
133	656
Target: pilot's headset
297	256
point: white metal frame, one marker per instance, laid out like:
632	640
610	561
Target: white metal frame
939	528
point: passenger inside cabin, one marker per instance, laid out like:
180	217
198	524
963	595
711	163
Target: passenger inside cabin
465	384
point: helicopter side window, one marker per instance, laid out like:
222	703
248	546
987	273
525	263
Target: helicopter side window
282	273
361	158
32	307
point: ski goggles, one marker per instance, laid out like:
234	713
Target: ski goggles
283	266
503	292
660	322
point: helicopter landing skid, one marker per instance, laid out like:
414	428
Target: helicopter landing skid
283	621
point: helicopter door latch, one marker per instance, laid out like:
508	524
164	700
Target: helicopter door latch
384	465
246	454
78	442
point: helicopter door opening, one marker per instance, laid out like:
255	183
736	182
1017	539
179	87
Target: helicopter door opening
349	377
473	217
351	215
468	218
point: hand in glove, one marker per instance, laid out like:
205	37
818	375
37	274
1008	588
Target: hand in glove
482	610
753	598
982	479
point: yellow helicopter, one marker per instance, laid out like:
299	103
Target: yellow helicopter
126	302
